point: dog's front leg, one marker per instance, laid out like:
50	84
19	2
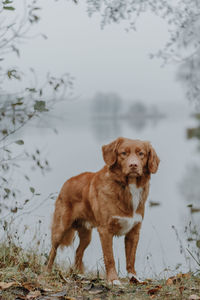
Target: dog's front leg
106	241
131	242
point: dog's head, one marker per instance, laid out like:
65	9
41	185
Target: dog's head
133	157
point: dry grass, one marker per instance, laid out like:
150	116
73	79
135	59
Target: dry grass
23	276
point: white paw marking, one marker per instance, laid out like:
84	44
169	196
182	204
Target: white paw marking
116	282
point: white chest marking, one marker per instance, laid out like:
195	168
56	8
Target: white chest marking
127	223
136	195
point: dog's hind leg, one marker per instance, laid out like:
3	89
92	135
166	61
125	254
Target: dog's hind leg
51	258
85	238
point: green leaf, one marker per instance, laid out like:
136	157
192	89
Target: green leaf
9	7
32	90
32	190
26	177
40	106
4	131
19	142
7	190
17	103
14	210
13	74
198	243
7	2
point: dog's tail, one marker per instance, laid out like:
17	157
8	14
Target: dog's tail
68	237
62	232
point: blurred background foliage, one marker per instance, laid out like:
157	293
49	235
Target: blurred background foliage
22	101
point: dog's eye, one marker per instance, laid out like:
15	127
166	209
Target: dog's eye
123	153
141	153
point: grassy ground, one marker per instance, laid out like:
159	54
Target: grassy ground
22	276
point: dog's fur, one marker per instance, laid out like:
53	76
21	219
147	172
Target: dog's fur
112	199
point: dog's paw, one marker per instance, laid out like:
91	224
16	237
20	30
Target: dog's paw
46	269
115	282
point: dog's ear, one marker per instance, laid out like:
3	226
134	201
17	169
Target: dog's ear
153	159
110	151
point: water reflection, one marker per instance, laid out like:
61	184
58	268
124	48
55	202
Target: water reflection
139	116
190	191
190	187
105	129
109	115
194	132
76	149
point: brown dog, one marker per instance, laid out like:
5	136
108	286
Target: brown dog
112	199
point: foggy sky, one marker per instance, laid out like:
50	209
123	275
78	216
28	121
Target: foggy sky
108	60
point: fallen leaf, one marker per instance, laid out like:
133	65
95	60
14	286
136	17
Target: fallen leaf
149	280
133	280
181	289
154	290
194	297
177	278
196	290
19	291
194	209
32	295
63	277
59	294
96	291
136	281
168	293
86	281
20	297
88	287
28	286
169	281
7	285
97	279
186	275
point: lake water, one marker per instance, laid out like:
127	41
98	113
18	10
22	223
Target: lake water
77	148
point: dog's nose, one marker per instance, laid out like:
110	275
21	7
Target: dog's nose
133	165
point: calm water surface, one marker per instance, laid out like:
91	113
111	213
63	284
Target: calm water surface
77	148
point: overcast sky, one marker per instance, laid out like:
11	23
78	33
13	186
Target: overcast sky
108	60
